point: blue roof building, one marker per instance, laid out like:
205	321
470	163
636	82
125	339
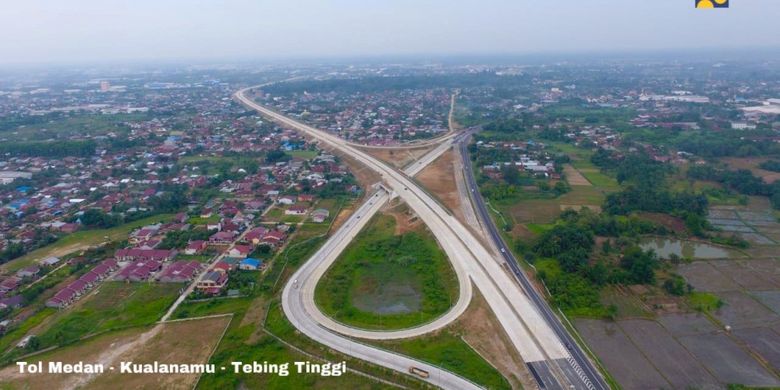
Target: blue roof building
250	264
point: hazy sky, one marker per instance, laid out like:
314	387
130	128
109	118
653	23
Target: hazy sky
52	31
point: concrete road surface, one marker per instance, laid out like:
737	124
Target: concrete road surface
528	331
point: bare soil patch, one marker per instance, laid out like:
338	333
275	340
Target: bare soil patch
405	219
751	164
363	175
398	158
482	332
177	342
182	342
574	177
672	223
439	178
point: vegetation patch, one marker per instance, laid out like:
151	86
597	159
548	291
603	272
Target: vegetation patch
387	281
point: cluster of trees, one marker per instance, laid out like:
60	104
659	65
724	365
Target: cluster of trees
770	165
381	83
276	156
510	125
635	198
646	188
742	181
12	251
97	219
180	239
172	200
725	143
49	149
571	243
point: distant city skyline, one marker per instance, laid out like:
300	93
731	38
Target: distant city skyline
51	32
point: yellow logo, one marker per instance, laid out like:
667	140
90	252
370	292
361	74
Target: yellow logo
711	3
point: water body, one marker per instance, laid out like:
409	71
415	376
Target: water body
395	297
665	247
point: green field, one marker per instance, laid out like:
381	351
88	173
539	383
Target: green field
80	240
384	281
304	154
449	351
114	305
276	214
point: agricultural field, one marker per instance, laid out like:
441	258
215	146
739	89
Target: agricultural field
385	280
652	338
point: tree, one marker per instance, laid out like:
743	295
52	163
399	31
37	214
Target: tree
640	265
275	156
96	218
676	285
510	174
563	238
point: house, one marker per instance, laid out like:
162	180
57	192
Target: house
136	254
286	200
9	284
305	198
239	251
139	270
213	282
179	272
274	237
140	235
28	272
296	210
250	264
62	298
255	236
195	247
13	302
50	260
221	238
222	266
320	215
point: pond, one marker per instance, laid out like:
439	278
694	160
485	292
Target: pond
664	247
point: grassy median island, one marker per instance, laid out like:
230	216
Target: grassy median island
388	281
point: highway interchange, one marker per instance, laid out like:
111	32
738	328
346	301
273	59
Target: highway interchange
533	330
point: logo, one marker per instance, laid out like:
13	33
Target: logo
711	3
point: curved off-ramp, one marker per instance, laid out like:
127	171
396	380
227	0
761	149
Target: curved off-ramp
527	330
307	278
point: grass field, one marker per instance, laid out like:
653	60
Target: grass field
81	240
114	305
384	281
704	302
304	154
449	351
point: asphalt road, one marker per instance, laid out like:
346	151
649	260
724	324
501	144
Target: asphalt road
580	363
307	279
528	331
